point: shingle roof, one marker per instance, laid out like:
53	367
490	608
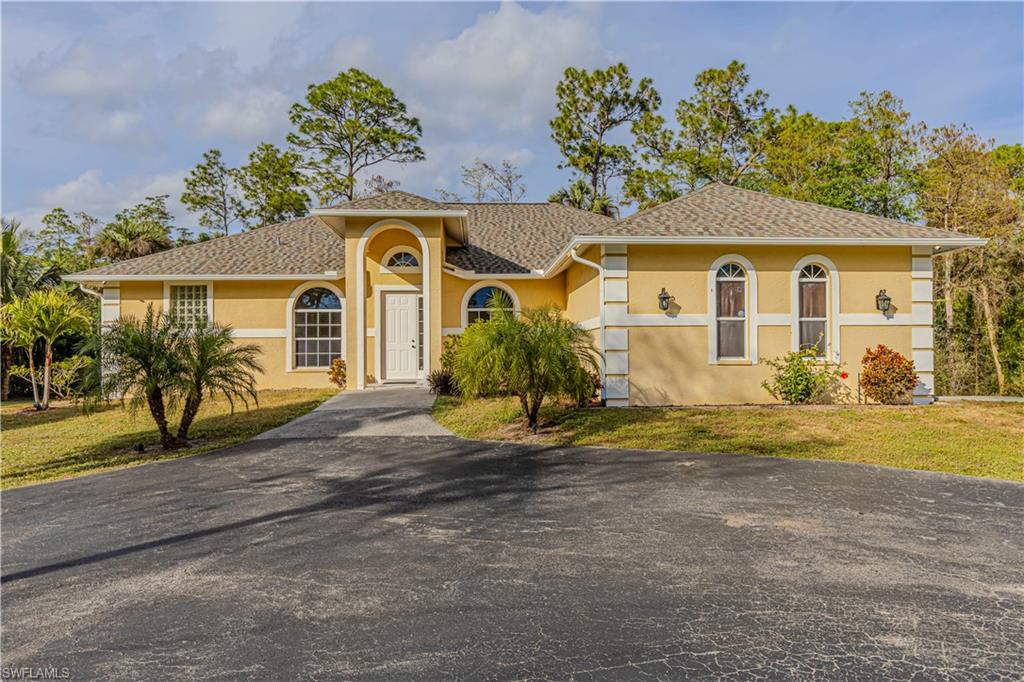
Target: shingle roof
718	210
392	201
517	238
301	247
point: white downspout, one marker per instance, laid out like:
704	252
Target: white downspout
600	315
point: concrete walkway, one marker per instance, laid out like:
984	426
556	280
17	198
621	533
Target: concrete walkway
390	411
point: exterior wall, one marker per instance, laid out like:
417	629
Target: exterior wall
669	354
582	288
650	357
530	293
258	310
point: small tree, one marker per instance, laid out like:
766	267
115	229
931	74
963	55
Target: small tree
211	364
887	376
533	355
17	330
272	185
211	190
142	358
45	316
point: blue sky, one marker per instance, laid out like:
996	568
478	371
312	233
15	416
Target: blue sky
104	104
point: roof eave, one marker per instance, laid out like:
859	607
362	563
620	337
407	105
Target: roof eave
112	277
389	213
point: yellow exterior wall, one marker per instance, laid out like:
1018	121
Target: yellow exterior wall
683	271
532	293
583	288
666	364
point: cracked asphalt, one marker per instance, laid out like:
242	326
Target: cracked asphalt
432	557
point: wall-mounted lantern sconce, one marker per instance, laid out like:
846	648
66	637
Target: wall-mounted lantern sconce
664	298
883	301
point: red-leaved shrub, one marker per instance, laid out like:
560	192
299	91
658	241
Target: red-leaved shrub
887	376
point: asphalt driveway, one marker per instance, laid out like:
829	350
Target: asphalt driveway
432	557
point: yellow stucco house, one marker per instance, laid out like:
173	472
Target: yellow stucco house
684	300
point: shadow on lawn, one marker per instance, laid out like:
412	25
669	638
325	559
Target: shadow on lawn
207	432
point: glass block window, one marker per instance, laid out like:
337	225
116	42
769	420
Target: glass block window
189	304
813	309
477	309
731	313
317	329
403	259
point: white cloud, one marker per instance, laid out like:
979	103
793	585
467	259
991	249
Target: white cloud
91	193
83	71
248	115
501	71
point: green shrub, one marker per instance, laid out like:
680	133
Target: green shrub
338	373
887	376
533	355
801	377
65	375
442	382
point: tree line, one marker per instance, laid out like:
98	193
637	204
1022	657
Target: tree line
621	150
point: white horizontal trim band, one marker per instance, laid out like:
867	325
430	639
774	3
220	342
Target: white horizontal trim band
260	333
451	331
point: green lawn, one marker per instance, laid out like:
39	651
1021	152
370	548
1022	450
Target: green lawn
65	441
975	439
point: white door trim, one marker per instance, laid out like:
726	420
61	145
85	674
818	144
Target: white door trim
360	275
378	305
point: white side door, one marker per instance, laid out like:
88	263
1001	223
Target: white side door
401	336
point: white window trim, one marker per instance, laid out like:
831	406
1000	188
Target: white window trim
384	268
464	312
289	346
833	340
378	302
712	313
189	283
379	226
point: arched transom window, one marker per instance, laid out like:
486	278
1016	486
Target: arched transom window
479	305
318	329
813	308
731	311
403	259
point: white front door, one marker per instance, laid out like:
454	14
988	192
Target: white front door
401	336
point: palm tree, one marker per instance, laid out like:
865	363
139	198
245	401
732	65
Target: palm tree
55	313
17	330
130	239
532	355
580	195
142	361
213	365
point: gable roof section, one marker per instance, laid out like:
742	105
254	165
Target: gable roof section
391	201
519	238
729	212
301	247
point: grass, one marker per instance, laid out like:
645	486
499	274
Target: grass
970	438
65	441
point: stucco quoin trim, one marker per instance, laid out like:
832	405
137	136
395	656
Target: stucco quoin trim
364	240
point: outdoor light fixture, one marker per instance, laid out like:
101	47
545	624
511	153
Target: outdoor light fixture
664	298
883	301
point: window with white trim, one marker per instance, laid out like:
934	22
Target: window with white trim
479	304
189	304
731	311
403	259
317	328
813	308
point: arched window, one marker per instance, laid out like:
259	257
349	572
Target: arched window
731	311
478	307
813	308
403	259
318	329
